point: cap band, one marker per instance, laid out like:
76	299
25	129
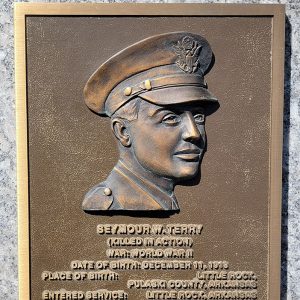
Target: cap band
121	96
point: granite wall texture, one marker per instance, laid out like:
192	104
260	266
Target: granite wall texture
291	156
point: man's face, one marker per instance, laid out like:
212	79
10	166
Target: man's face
169	142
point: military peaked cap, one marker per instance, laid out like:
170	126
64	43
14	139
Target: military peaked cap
164	69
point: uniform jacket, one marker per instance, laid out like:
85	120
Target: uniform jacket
124	190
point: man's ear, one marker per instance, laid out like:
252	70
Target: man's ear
120	129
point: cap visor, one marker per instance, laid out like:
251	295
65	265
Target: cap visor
183	94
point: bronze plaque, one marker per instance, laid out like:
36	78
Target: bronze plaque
149	151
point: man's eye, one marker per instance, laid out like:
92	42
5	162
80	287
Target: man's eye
171	119
199	118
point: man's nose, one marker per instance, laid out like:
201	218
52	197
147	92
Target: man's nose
191	131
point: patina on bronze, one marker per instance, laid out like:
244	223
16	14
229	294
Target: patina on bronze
156	96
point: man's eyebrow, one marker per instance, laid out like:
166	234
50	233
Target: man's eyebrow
152	113
196	110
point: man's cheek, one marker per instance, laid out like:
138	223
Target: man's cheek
203	136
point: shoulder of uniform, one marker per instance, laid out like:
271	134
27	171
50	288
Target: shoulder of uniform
100	197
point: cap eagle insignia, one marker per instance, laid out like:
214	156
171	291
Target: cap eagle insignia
188	51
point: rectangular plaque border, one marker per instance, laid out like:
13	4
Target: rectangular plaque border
276	11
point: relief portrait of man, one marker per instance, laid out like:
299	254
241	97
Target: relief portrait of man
156	97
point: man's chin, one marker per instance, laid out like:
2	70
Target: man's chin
188	172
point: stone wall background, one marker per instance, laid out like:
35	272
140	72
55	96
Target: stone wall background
291	152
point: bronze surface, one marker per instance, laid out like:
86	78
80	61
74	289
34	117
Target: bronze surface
232	201
64	160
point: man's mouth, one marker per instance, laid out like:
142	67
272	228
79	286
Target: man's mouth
188	154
